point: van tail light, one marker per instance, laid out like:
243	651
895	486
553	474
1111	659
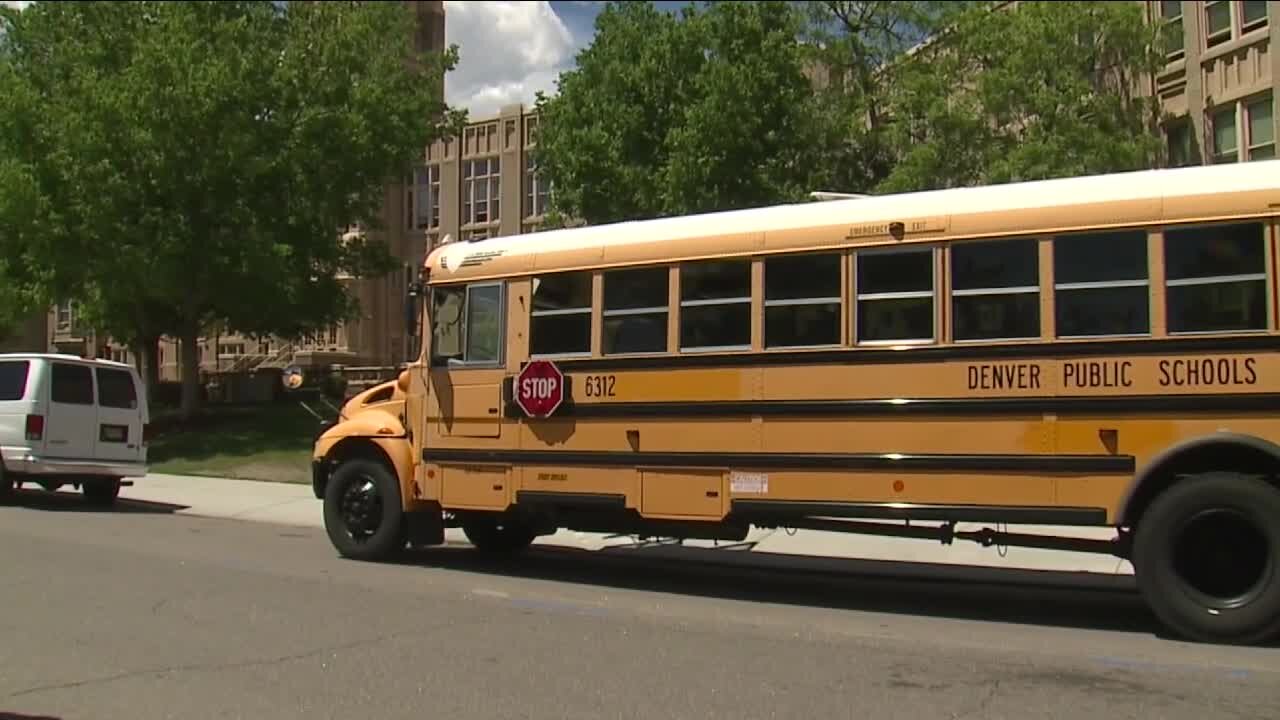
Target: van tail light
35	428
146	433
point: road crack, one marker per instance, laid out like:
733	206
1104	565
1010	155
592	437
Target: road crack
207	667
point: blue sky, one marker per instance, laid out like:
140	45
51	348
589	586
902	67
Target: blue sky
511	50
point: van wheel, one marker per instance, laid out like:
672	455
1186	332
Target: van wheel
7	487
1207	558
362	512
496	534
102	492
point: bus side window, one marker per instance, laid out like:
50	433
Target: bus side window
1216	277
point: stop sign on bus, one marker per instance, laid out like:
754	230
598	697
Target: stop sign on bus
539	388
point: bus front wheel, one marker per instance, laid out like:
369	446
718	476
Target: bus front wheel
1207	558
362	512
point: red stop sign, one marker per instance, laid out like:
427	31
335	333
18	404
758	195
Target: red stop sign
539	388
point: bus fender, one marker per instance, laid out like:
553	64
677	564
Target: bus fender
371	432
1247	454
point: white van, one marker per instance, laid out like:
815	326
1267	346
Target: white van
67	420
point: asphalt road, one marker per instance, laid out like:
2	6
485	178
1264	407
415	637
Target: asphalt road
145	614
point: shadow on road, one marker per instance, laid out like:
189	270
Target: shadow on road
17	716
1046	598
71	501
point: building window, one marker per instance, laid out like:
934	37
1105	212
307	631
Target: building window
802	301
1225	20
422	202
1261	128
561	317
1171	28
481	190
635	311
1217	22
1100	284
1178	138
715	305
536	190
995	291
1216	278
1253	15
66	316
230	349
1225	145
895	296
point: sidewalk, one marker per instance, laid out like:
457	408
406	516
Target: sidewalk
289	504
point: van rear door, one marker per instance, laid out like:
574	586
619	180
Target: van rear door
120	416
72	422
16	403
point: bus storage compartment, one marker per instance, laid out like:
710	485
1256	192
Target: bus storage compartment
475	487
683	493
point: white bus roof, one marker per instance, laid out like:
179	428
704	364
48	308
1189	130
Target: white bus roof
1181	195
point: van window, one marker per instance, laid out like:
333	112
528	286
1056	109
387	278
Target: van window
13	379
116	390
72	384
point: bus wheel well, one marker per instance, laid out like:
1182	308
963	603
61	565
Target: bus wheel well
1219	456
352	448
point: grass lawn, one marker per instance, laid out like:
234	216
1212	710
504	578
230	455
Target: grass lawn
263	442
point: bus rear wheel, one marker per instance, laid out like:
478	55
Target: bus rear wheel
1207	558
362	512
498	533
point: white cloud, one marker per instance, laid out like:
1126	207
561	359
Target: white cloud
508	51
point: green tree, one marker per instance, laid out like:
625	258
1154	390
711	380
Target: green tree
854	48
192	163
667	114
1037	91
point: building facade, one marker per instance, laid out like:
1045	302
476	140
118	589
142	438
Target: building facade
1220	80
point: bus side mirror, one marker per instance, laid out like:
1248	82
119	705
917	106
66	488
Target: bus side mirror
411	304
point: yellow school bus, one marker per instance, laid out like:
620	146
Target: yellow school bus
1090	351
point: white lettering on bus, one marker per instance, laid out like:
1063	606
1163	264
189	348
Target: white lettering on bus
540	388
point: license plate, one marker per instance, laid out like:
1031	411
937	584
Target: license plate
114	433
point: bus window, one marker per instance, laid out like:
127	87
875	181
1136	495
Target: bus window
446	324
1101	285
466	325
715	305
484	324
802	300
895	296
1216	278
561	317
995	289
635	311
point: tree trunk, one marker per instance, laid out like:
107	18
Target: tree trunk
147	353
190	369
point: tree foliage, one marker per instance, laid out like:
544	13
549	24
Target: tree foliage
178	164
1036	91
666	114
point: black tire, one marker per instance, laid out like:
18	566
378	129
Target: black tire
1207	558
8	486
362	511
102	493
498	534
